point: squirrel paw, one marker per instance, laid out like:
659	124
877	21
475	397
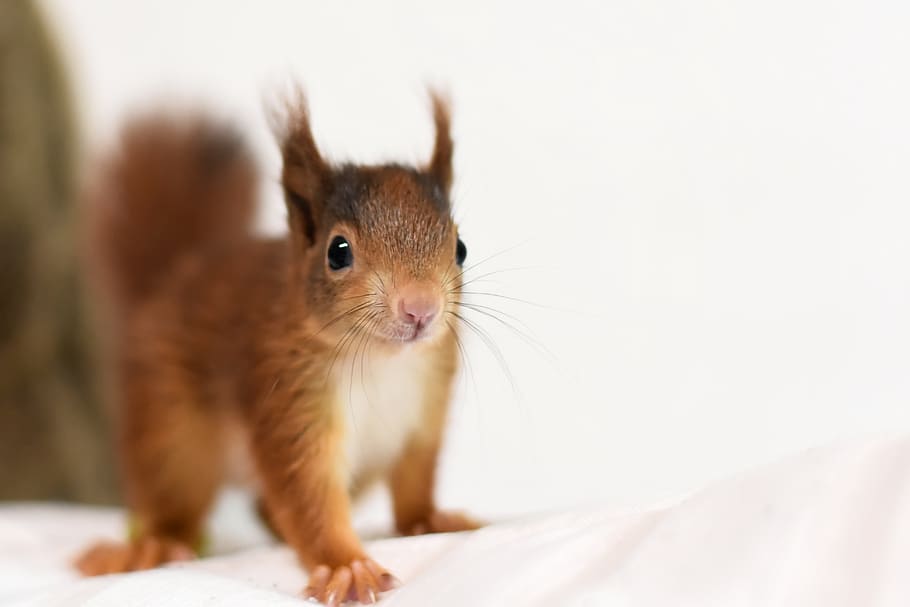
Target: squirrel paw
362	580
144	553
441	521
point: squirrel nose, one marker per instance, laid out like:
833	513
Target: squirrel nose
418	310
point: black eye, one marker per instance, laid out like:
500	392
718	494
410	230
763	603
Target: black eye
461	252
340	255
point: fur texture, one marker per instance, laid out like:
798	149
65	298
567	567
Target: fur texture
321	372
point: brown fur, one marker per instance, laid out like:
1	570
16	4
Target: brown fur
224	334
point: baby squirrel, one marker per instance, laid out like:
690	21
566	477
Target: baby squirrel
327	355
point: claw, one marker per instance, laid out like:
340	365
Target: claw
361	581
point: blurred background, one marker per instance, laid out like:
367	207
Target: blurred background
701	209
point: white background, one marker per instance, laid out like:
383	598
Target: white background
711	200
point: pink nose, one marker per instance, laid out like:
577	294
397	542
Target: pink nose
418	310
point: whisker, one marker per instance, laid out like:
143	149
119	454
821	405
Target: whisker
352	310
381	286
484	260
495	272
367	349
535	343
464	358
363	336
357	328
491	345
336	350
479	307
357	296
345	340
516	299
446	276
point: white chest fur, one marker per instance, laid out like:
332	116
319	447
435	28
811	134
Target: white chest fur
381	397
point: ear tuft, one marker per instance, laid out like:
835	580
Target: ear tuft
305	175
440	165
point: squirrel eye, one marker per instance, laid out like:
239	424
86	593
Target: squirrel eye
340	255
461	252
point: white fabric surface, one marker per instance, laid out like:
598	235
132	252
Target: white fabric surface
829	527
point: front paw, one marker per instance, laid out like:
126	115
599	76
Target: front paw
441	521
361	580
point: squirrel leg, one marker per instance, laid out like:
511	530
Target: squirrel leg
306	496
170	450
412	479
411	482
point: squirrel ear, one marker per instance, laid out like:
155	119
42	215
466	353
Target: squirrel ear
440	165
305	175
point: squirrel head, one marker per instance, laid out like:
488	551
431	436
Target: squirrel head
376	249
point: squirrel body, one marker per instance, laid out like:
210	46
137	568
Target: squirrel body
328	355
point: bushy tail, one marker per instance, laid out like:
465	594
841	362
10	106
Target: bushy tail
175	186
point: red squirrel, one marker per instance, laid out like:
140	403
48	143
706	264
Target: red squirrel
325	358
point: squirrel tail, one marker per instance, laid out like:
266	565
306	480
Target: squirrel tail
174	187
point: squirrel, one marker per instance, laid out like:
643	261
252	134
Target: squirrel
326	358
